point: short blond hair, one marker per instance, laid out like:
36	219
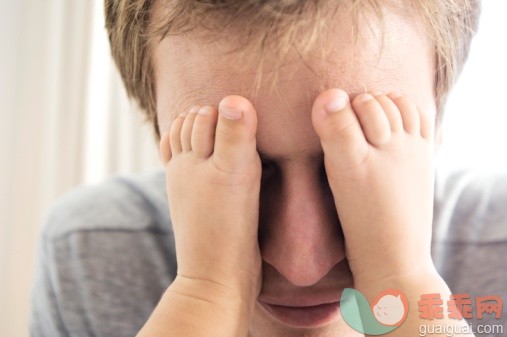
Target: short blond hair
133	33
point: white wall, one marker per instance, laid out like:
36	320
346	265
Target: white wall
475	123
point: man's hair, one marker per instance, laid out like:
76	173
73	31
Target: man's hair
133	32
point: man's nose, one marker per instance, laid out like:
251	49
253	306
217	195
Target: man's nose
300	235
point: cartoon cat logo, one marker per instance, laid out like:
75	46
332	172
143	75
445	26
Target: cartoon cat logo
390	309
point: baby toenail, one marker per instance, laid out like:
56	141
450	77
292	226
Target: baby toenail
396	94
339	101
204	110
365	98
231	113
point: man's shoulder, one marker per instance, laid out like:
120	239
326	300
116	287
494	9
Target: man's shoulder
471	207
470	235
106	256
135	202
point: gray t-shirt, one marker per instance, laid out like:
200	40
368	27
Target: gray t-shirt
107	254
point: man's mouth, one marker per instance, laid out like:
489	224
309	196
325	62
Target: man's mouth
305	313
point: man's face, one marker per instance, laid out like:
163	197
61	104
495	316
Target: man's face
300	237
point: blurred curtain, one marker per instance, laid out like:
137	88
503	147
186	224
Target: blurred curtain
65	120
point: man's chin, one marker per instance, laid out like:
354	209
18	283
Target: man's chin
302	316
320	321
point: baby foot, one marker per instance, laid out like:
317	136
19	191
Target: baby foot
213	176
378	154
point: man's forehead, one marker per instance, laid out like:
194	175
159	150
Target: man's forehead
294	86
188	73
205	78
